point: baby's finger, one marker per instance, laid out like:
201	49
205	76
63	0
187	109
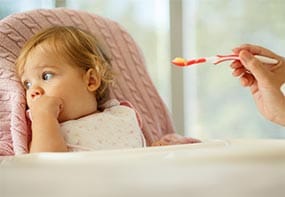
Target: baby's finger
190	140
282	88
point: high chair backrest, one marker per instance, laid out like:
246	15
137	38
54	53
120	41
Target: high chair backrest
133	82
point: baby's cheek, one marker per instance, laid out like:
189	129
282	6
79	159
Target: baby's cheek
29	103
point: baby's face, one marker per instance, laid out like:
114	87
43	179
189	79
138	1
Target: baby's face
46	74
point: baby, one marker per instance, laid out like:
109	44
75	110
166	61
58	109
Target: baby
66	76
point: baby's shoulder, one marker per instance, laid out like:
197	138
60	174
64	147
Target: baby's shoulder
122	108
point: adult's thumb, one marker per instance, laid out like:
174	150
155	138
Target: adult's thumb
253	65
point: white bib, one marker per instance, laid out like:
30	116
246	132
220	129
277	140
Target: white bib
115	128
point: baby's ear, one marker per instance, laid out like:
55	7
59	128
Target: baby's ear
93	81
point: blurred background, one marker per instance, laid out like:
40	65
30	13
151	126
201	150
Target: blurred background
205	101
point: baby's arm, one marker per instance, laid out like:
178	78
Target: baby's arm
174	138
46	136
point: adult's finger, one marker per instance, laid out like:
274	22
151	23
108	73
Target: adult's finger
253	65
255	50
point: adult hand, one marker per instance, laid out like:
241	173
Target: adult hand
264	80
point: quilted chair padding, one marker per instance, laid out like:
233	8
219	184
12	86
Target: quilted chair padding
133	82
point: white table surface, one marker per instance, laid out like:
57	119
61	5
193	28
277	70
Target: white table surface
222	168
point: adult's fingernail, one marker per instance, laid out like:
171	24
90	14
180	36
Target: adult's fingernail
236	50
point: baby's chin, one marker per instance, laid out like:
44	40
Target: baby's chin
74	114
62	119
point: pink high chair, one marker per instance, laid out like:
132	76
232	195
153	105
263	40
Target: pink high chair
133	82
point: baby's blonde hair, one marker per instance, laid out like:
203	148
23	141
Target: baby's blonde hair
78	48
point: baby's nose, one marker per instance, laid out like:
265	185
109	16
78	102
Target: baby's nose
36	92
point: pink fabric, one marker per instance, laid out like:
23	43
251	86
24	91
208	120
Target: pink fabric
133	83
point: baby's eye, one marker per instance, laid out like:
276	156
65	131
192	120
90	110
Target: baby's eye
47	76
27	84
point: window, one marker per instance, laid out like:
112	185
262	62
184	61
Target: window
210	102
9	7
216	104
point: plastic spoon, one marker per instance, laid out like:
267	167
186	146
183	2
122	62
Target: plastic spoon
218	59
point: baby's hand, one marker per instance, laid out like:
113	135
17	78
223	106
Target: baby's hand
45	107
173	138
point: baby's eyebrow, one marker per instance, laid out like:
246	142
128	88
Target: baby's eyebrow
37	69
46	66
